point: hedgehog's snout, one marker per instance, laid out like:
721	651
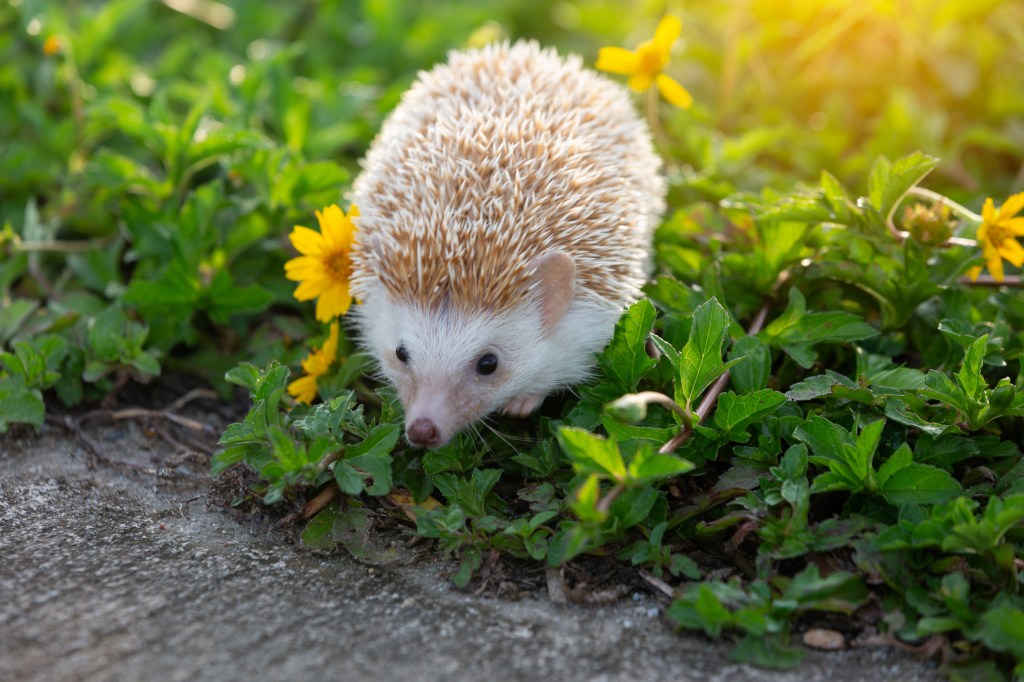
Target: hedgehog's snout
423	433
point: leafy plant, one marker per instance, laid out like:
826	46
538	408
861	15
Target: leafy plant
816	408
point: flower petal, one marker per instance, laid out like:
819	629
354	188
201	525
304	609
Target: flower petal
1011	206
1015	225
331	227
982	234
303	267
333	302
974	272
1012	251
306	241
303	389
311	288
995	265
639	82
988	212
617	60
673	92
667	32
330	347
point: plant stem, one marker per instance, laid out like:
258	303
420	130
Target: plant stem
660	137
605	502
990	281
663	400
60	245
940	198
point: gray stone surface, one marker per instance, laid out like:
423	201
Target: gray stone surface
110	574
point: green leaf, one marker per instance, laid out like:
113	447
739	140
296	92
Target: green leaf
700	610
625	359
888	181
226	299
836	196
317	533
146	364
867	444
380	442
897	410
700	362
470	495
817	386
969	377
372	469
666	349
569	542
673	296
753	364
825	438
367	465
647	466
1002	629
105	332
735	412
796	330
591	454
767	652
226	458
919	484
899	459
940	387
633	506
584	500
19	404
245	374
623	432
838	592
461	454
12	315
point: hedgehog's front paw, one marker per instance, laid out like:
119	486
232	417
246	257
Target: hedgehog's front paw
523	405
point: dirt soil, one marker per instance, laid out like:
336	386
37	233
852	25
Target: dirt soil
120	569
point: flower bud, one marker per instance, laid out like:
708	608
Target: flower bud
630	408
928	224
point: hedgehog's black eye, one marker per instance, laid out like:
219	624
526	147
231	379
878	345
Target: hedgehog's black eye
402	354
487	364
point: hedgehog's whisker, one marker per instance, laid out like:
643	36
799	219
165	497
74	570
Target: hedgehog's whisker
507	437
500	435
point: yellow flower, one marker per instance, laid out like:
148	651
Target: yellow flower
645	64
315	366
997	236
52	46
324	267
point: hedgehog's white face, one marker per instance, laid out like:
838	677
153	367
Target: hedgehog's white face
452	368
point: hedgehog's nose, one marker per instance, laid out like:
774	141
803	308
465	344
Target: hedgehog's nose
424	433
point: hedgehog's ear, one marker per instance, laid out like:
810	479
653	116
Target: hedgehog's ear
554	277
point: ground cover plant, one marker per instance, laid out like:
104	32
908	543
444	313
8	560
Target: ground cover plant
812	421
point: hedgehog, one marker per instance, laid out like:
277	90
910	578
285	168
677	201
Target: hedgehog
506	210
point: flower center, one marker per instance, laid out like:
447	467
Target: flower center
997	234
652	60
337	265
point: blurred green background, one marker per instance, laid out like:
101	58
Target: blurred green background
182	139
